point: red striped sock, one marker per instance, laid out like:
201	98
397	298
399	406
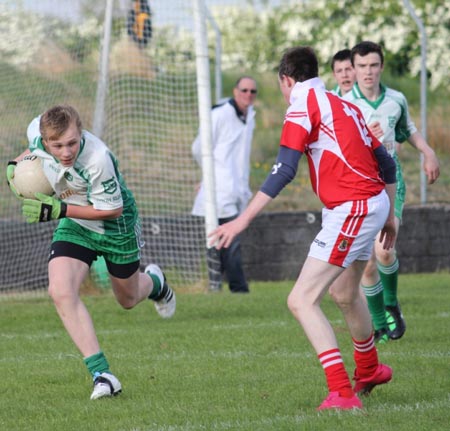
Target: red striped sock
337	377
366	357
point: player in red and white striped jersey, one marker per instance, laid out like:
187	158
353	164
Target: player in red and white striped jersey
354	176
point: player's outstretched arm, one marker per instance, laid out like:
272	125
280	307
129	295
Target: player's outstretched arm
223	235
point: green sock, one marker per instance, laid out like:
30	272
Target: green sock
375	301
389	278
97	363
156	291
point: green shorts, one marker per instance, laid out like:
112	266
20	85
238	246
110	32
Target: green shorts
119	249
400	194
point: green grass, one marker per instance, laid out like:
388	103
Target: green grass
224	362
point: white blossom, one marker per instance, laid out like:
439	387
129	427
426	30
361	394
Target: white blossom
254	39
22	35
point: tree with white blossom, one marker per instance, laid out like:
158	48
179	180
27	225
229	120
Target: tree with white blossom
255	40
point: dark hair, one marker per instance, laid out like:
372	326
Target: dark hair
299	63
342	55
366	47
55	121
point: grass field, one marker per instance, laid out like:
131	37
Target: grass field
224	362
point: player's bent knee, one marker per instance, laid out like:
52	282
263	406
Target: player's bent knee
371	268
126	304
294	305
333	296
58	295
343	298
344	303
386	258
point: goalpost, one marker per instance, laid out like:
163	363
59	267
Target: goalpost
139	92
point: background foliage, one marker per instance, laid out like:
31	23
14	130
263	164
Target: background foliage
256	39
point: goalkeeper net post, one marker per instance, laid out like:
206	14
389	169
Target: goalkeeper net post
102	85
204	108
218	56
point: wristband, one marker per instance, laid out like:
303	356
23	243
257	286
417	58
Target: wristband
63	210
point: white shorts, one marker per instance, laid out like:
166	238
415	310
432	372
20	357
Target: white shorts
349	230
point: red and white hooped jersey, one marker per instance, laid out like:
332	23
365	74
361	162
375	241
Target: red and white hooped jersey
339	146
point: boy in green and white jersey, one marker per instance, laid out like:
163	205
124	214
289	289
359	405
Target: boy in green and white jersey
386	113
343	72
99	217
94	179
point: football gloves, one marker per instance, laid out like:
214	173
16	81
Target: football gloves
10	176
43	208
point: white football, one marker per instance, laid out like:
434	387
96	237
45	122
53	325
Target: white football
29	178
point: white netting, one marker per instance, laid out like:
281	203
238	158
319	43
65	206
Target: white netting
49	54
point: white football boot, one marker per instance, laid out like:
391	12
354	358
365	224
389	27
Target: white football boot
165	306
105	385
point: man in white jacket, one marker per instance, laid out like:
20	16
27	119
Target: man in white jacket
233	123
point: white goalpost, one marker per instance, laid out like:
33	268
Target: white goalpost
134	79
102	84
205	130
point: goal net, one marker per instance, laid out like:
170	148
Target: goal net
139	94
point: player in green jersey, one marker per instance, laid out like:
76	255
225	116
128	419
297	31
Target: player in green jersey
343	72
386	112
98	217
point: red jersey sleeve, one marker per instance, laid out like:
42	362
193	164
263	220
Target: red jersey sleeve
293	136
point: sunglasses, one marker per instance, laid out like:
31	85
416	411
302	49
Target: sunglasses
246	90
